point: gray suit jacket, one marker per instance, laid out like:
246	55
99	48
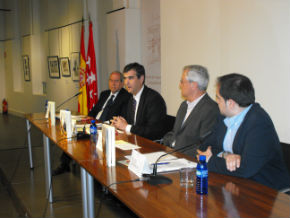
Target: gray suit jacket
200	121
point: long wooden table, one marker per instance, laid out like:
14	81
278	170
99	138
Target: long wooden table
227	196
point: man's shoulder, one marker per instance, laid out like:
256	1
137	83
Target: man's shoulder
151	92
257	113
105	92
124	92
123	96
207	104
208	100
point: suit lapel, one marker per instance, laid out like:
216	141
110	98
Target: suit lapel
179	121
129	110
194	113
237	143
141	105
118	97
106	95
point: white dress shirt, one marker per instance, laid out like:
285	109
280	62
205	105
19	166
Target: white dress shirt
101	111
137	98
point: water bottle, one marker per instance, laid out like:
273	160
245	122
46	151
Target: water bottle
201	176
93	131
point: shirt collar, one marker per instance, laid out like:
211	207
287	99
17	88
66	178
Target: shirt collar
138	95
193	103
115	94
237	119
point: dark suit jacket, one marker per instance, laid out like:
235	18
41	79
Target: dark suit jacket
200	121
258	144
150	115
118	108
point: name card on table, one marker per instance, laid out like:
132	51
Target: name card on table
66	123
108	141
99	143
139	164
50	112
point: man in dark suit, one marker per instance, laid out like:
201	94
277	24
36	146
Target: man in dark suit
112	102
244	142
146	109
196	115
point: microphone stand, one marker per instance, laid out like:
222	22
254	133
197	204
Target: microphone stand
154	178
68	100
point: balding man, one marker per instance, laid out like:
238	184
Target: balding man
112	102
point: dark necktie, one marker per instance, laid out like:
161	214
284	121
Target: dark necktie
133	109
106	109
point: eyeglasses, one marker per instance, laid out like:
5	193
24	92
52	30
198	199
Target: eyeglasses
185	81
114	80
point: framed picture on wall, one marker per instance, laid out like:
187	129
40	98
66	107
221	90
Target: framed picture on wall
64	66
53	67
75	65
26	68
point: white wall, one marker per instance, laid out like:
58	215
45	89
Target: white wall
123	38
251	37
133	35
150	42
190	34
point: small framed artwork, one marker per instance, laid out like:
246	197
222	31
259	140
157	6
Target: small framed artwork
64	67
53	67
26	68
75	65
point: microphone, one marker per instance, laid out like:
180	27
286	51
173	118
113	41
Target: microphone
154	179
83	134
77	94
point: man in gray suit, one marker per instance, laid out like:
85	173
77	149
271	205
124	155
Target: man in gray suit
196	115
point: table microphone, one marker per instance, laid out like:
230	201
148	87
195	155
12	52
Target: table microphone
154	179
77	94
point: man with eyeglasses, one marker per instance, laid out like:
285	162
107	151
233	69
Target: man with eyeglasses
112	102
196	115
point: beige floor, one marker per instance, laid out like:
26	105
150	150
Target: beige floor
22	190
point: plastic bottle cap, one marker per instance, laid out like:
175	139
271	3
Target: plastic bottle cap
93	121
202	157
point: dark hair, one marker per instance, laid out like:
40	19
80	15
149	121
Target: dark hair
238	88
140	71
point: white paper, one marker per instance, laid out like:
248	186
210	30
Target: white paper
100	140
108	139
138	164
52	112
152	157
143	163
47	111
176	164
123	145
65	118
78	117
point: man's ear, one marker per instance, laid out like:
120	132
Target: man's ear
142	78
194	84
230	103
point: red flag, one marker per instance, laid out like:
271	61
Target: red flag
82	99
92	82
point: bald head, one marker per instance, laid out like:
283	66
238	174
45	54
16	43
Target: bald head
115	81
